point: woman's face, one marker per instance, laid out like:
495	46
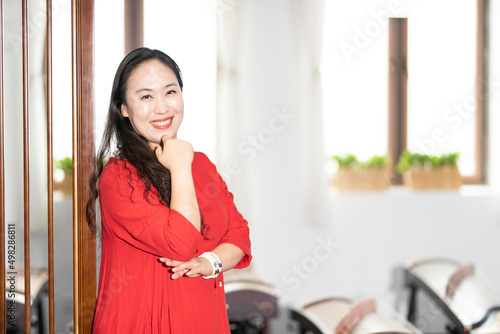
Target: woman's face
154	101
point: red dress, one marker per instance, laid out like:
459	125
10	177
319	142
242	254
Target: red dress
136	293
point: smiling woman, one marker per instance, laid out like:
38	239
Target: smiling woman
167	215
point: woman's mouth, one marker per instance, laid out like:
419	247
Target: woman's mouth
162	123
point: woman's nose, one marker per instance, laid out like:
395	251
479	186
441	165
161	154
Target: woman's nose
161	106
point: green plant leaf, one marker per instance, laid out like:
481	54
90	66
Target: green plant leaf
350	161
65	164
376	162
407	160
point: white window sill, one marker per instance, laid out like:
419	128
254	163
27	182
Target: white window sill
401	191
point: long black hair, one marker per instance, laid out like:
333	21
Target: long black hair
130	145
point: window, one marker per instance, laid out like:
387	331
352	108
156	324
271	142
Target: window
441	80
355	80
186	31
442	113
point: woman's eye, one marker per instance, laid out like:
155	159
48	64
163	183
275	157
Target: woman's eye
145	97
171	92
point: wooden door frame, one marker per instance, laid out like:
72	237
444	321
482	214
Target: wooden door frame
84	252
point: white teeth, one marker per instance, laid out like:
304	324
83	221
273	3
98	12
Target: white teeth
163	123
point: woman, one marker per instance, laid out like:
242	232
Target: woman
169	224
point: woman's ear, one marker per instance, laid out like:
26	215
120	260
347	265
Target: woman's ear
124	110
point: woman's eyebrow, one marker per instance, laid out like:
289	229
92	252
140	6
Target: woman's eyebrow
149	89
143	90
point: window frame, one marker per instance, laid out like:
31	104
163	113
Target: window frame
398	95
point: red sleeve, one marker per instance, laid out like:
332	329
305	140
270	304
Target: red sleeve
153	228
237	232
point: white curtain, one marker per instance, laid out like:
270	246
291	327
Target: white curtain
307	22
269	55
229	121
229	29
269	126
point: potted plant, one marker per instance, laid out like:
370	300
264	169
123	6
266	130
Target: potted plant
353	174
421	171
63	176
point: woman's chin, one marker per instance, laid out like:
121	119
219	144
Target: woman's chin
153	144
